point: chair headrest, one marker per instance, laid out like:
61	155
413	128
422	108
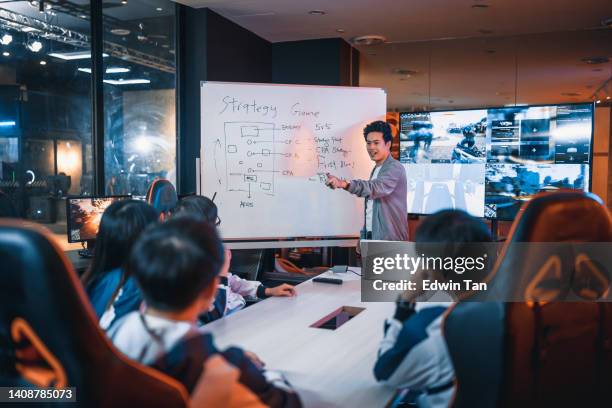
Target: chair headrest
555	271
41	297
564	216
162	195
39	286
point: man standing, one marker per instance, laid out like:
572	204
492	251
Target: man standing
386	214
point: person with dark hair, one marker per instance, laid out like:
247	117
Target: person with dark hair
232	289
198	207
176	264
386	210
413	352
112	291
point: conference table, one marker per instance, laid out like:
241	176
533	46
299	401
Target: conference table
328	368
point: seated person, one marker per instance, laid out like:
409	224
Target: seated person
413	352
233	289
176	264
112	291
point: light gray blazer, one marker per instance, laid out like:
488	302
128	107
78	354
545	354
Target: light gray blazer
388	193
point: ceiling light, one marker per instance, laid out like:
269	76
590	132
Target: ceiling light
34	45
159	9
117	70
120	31
43	62
340	30
369	40
607	98
6	53
316	12
110	70
83	16
598	101
6	39
407	73
595	60
124	2
127	81
69	56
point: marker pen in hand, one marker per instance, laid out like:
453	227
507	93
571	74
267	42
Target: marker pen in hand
328	182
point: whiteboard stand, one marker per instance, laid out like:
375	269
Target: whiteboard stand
198	176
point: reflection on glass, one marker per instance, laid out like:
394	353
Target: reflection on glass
45	107
139	96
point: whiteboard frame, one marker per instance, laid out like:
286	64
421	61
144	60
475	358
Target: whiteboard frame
284	242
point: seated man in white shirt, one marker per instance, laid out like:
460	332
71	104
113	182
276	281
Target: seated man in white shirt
176	265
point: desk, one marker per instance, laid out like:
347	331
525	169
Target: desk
328	368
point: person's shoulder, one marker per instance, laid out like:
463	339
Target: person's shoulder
105	283
130	286
124	326
393	165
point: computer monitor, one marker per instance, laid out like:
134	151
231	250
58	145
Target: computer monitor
83	215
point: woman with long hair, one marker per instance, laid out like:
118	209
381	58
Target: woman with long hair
113	293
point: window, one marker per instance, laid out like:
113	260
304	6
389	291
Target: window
46	135
45	107
139	95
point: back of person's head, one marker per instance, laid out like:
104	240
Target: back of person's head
174	262
121	224
199	207
448	226
452	233
379	126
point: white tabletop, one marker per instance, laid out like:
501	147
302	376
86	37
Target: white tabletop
328	368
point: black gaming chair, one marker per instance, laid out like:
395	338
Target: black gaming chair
49	335
162	196
536	354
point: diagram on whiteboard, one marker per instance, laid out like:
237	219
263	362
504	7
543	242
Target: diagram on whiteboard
249	157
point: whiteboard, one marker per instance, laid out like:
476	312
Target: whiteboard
265	150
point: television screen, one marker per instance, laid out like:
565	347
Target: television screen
84	215
489	161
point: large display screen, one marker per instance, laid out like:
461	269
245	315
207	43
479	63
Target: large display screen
489	161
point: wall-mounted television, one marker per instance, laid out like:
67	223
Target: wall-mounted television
489	161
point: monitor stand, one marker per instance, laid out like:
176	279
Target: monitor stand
88	252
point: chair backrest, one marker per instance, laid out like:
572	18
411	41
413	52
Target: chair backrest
561	217
162	196
555	353
49	334
474	334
